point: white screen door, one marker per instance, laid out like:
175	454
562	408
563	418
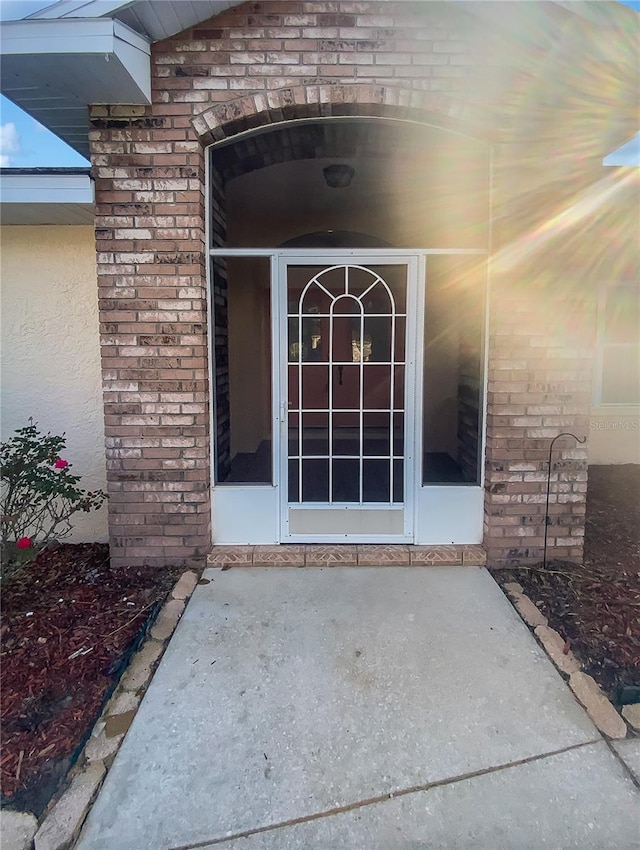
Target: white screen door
347	388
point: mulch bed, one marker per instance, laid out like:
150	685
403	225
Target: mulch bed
71	622
69	625
595	606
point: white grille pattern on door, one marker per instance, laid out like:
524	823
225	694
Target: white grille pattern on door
346	375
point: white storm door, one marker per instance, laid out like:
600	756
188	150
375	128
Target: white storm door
347	354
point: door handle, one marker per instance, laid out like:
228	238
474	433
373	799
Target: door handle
340	368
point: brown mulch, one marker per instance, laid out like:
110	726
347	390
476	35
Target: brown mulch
69	625
595	606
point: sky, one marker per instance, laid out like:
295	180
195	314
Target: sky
24	143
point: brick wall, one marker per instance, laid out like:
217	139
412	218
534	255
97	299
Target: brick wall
541	337
150	260
539	385
251	66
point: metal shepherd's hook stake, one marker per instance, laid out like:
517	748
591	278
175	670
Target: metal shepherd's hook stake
546	513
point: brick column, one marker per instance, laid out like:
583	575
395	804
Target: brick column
151	276
542	322
539	386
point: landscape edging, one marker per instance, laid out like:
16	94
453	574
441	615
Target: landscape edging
602	712
62	822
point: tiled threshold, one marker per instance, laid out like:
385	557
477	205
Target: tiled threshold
361	555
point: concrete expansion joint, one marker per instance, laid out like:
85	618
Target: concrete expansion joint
586	690
383	798
626	767
62	821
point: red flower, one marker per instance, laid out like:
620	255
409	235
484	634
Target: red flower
24	543
61	464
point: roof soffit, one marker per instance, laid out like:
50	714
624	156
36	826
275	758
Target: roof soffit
154	20
54	68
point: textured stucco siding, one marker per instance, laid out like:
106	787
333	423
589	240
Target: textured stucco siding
614	435
50	349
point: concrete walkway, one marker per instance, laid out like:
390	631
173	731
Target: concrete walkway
377	708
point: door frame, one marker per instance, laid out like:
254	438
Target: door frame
328	258
454	513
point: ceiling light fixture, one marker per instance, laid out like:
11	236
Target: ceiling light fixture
338	176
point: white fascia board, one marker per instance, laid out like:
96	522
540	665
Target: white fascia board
79	9
30	64
134	51
78	35
46	189
157	19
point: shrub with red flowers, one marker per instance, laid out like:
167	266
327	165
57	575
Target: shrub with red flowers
38	494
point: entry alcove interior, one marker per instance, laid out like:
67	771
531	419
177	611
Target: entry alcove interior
413	186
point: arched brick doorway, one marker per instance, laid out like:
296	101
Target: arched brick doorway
266	188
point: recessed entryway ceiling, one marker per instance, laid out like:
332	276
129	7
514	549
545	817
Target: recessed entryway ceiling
409	182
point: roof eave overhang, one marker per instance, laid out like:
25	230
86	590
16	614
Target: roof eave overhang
46	197
68	73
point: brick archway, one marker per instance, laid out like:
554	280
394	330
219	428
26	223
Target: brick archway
226	120
427	64
255	132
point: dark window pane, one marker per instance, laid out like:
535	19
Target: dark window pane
293	480
377	339
346	480
315	434
398	481
346	329
398	388
293	375
346	434
377	387
242	364
346	387
294	434
376	481
400	336
346	305
310	345
453	369
398	434
315	480
376	434
315	387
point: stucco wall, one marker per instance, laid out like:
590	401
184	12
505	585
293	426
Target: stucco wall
614	435
50	349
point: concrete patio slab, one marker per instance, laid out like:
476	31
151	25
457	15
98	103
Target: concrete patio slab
629	752
556	802
288	693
